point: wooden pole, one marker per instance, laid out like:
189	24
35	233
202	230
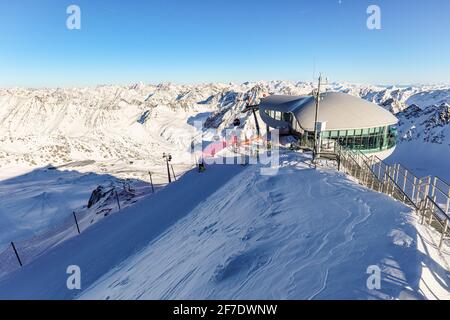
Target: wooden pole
379	171
173	172
397	173
76	222
117	198
405	178
15	251
413	197
427	187
419	191
447	210
168	171
151	181
444	231
432	210
423	206
433	188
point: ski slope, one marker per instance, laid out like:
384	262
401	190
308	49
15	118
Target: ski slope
302	234
112	240
233	233
124	130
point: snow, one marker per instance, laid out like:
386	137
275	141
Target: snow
109	242
423	159
118	124
400	238
297	232
41	200
232	233
302	234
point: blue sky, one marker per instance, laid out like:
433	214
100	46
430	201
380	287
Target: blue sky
190	41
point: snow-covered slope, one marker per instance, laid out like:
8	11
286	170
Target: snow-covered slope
122	131
106	244
116	125
302	234
232	233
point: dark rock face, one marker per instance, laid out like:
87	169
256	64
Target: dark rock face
96	195
413	111
143	118
441	116
426	124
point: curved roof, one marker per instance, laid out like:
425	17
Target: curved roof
284	103
341	111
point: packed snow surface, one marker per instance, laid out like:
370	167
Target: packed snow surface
233	233
301	234
58	145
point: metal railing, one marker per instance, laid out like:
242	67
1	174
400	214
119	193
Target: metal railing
430	197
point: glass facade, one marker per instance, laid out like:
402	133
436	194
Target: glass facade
281	116
367	140
370	139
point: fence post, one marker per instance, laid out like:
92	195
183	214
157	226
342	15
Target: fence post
117	198
420	185
405	179
372	181
76	222
15	251
379	171
423	206
367	176
396	170
391	179
390	190
398	173
432	210
447	208
444	231
151	181
413	196
427	187
384	181
433	187
173	172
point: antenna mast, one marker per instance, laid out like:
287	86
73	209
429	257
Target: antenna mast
316	138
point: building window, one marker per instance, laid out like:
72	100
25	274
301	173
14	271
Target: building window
366	140
287	117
